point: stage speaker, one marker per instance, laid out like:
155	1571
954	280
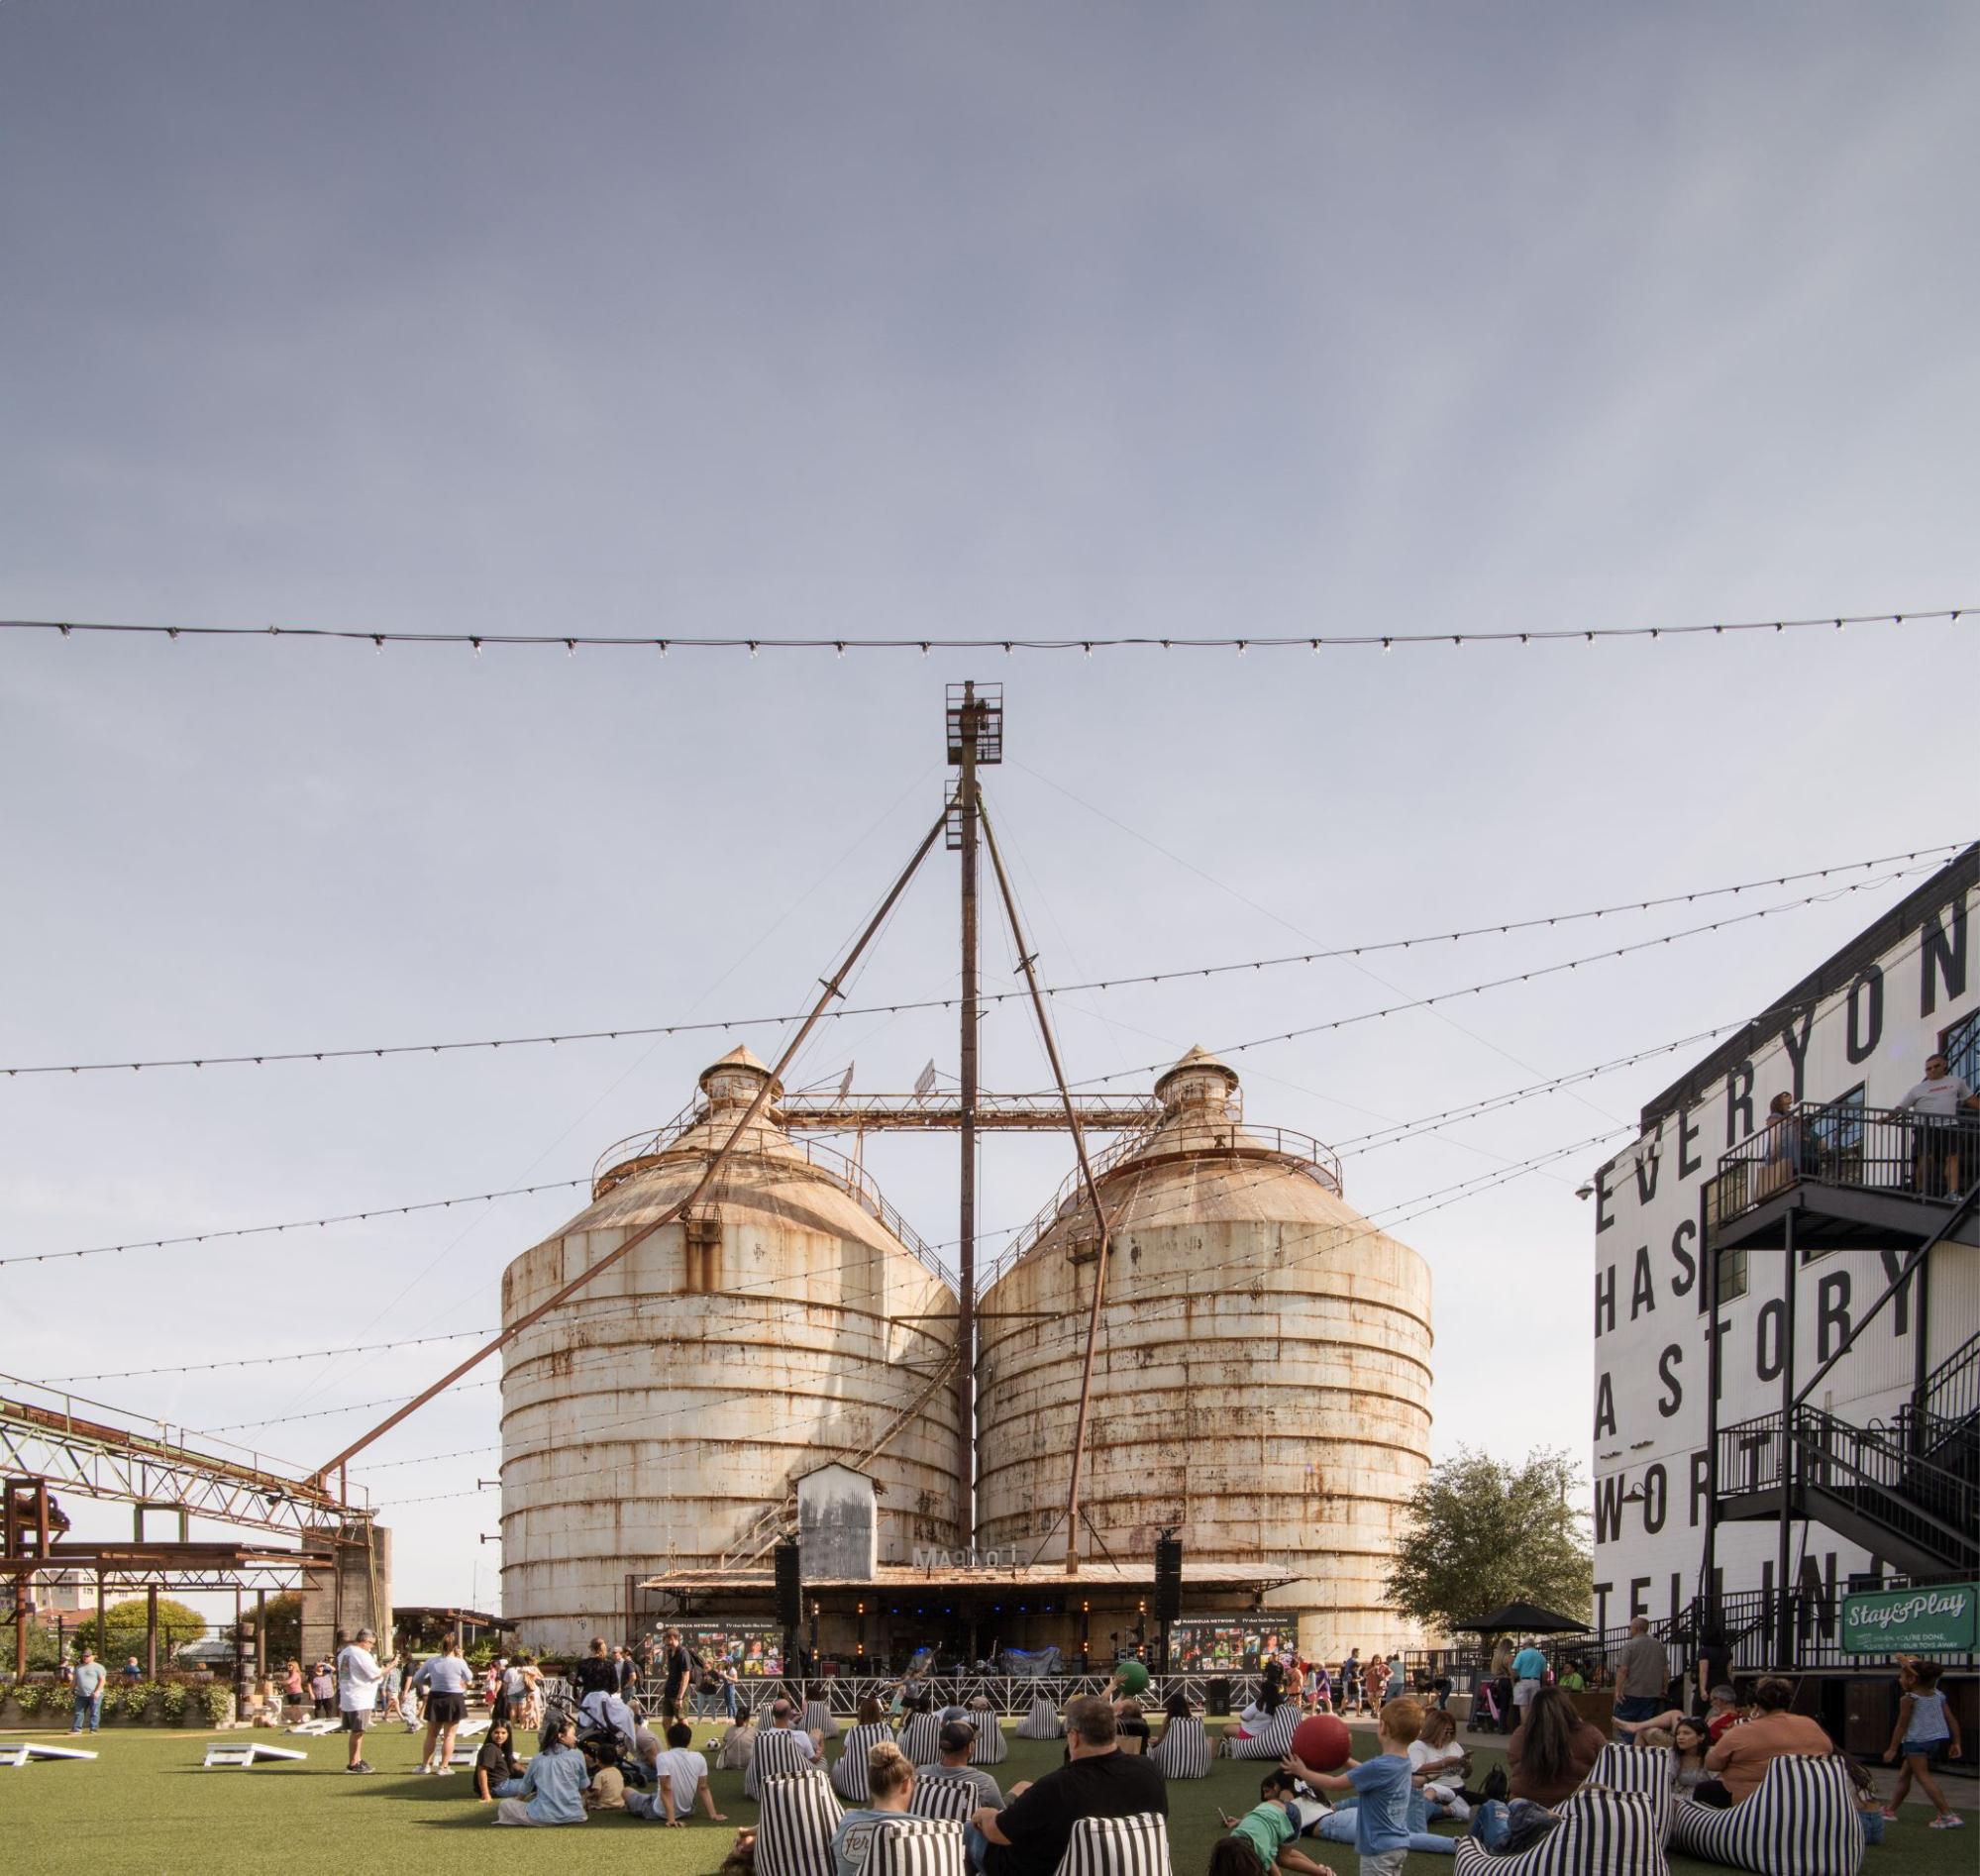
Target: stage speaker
1167	1579
789	1589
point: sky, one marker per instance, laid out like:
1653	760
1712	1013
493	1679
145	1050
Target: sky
936	322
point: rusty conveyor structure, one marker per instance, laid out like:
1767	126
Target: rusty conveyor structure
104	1461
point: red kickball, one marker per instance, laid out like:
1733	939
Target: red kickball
1320	1742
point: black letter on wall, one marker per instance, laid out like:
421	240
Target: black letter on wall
1605	1300
1739	1100
1687	1137
1866	1013
1656	1497
1700	1485
1797	1045
1687	1264
1667	1364
1642	1288
1833	1312
1941	956
1768	1362
1605	1409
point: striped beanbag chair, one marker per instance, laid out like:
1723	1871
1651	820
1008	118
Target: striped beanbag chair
1600	1833
1803	1817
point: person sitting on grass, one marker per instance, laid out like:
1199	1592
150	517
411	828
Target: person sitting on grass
1381	1786
1267	1830
498	1773
679	1778
1552	1750
1439	1766
1925	1725
553	1789
889	1790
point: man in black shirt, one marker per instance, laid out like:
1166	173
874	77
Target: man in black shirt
1028	1837
675	1672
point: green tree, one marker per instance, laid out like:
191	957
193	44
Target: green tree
123	1627
1484	1532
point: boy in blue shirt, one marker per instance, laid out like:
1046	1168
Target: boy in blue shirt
1381	1786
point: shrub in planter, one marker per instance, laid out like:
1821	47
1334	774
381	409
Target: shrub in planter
172	1702
212	1703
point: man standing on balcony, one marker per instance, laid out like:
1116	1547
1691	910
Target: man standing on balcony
1643	1676
1937	1101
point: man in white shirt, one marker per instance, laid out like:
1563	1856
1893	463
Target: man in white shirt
1936	1101
357	1678
680	1776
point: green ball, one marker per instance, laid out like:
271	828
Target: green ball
1133	1678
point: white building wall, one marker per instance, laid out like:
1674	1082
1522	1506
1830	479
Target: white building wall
1874	1032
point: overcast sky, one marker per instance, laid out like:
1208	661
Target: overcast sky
930	321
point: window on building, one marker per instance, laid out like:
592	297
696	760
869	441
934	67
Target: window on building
1731	1274
1960	1045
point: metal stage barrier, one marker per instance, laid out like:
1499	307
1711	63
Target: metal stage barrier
1007	1694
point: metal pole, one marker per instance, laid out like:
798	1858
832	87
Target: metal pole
709	1176
1028	962
150	1632
1783	1607
1713	1363
966	1250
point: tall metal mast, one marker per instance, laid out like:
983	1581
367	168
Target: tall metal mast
975	723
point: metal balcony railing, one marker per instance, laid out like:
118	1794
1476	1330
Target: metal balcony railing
1843	1144
1873	1467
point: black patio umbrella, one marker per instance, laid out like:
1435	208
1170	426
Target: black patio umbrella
1525	1619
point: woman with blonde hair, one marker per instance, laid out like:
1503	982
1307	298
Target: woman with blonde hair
889	1788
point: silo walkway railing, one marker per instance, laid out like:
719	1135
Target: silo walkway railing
1237	1139
633	1154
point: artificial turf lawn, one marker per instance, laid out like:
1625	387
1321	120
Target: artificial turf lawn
145	1808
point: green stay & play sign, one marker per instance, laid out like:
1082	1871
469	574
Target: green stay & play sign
1938	1620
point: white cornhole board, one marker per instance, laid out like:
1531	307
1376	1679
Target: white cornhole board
315	1729
221	1756
19	1753
468	1728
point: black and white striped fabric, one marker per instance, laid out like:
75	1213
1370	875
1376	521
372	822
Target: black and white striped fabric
1041	1723
777	1754
795	1824
1601	1832
917	1846
938	1797
1802	1819
1634	1768
1277	1738
921	1738
991	1747
817	1717
849	1775
1117	1847
1185	1751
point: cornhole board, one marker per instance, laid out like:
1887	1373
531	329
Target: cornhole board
224	1755
315	1729
19	1753
468	1728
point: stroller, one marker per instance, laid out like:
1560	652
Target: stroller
607	1733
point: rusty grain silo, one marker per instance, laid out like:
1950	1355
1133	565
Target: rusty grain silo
658	1420
1262	1381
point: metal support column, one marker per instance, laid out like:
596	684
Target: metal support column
1713	1367
150	1632
1784	1622
966	1225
